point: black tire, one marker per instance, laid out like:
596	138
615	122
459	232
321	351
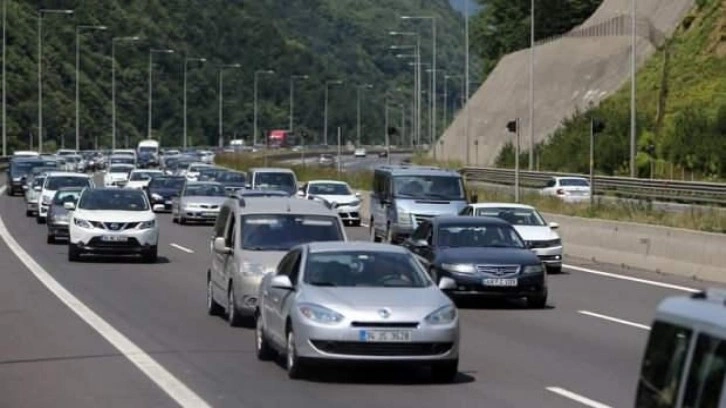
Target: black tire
263	350
74	255
537	301
213	308
445	371
233	317
554	270
295	366
28	213
355	223
181	220
151	255
50	239
39	220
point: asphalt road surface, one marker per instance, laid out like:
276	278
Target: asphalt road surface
583	350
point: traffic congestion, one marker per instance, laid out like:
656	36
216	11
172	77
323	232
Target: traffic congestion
285	258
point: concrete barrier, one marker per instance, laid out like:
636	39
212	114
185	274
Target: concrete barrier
672	251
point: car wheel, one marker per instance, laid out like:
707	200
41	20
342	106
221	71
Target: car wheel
263	349
182	221
39	220
233	317
173	217
213	308
445	371
151	255
74	255
50	239
537	301
374	237
28	213
554	270
295	367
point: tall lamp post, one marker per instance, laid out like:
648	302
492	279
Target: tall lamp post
433	68
292	99
325	114
113	83
220	120
42	12
80	28
4	97
418	77
466	81
187	60
150	102
633	129
257	74
358	110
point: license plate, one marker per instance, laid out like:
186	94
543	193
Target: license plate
388	336
210	214
500	282
114	238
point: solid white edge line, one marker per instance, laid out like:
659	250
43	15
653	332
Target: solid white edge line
174	388
630	278
577	397
614	319
181	248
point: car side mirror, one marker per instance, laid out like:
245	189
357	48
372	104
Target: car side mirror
554	225
281	282
248	186
446	283
220	246
70	206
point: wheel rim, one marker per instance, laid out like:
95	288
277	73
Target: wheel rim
290	351
230	305
209	294
258	333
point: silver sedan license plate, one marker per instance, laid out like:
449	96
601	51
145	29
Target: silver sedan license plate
387	336
114	238
500	282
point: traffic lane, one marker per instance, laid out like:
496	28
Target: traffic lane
161	308
50	357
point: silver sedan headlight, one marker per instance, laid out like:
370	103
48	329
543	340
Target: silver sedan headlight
320	314
443	315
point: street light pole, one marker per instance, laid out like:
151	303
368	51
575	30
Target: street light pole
432	101
531	87
466	81
292	100
633	129
78	76
187	60
220	92
325	114
257	74
113	84
152	51
40	70
418	79
358	110
4	85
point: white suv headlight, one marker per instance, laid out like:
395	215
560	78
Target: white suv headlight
82	223
459	268
147	224
320	314
255	269
442	315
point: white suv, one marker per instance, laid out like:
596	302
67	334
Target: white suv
55	181
111	221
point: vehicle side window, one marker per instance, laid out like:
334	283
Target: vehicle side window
283	268
662	369
231	236
466	211
295	267
706	377
420	232
221	221
429	234
377	184
551	183
387	188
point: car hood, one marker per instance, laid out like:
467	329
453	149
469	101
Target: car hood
268	259
203	200
505	256
431	207
114	215
415	303
536	233
58	209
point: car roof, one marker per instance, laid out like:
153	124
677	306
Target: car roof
262	193
503	205
570	177
327	182
282	205
464	220
67	174
204	183
145	170
399	170
271	170
115	189
704	309
335	246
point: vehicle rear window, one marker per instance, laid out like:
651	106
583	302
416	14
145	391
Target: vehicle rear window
276	181
58	182
280	232
574	182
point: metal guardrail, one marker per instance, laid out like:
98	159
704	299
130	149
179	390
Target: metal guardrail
4	161
686	192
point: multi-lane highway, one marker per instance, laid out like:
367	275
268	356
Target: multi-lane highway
583	350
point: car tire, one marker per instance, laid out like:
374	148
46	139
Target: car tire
151	255
173	218
554	270
28	213
39	220
537	301
182	221
294	365
213	308
263	350
233	317
50	239
74	255
445	371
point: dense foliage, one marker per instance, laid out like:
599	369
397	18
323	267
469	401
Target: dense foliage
325	39
681	104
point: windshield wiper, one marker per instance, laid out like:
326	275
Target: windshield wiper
328	284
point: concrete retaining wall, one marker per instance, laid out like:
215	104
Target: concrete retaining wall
661	249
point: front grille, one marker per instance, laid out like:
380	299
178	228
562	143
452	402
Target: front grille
390	325
96	242
356	348
544	244
116	226
498	270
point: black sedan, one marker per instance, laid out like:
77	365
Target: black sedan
161	190
232	181
485	256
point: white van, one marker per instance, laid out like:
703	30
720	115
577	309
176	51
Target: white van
685	360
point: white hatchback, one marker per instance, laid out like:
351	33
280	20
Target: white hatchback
568	189
140	178
117	175
53	182
109	221
338	194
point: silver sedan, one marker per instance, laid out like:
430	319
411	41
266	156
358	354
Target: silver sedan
198	201
356	301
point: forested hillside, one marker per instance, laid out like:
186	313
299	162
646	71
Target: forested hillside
325	39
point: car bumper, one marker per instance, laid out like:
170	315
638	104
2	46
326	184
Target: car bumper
343	343
552	256
349	213
200	215
58	229
31	206
474	286
247	291
92	241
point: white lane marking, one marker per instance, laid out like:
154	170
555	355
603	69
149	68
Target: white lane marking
156	373
614	319
577	397
632	279
181	248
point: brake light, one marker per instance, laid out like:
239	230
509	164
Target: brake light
560	191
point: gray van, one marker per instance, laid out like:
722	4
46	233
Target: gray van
251	235
685	360
404	196
270	178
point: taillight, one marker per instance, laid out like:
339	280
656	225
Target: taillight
560	191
